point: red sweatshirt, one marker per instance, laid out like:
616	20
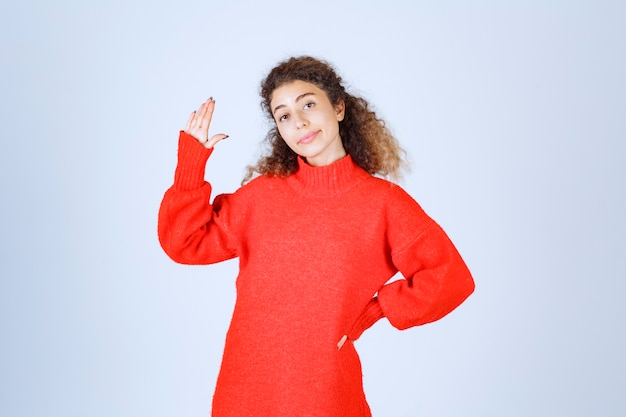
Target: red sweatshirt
315	250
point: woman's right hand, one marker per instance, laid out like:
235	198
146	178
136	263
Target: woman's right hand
199	122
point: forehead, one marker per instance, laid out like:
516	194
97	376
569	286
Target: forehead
290	91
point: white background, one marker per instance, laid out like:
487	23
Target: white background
513	115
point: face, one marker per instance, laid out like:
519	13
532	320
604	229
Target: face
309	122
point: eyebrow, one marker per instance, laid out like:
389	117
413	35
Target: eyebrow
300	97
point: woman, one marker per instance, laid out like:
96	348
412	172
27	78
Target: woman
318	235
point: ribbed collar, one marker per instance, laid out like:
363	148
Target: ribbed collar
328	180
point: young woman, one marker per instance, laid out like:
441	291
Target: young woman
318	235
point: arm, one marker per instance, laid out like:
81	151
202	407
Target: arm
191	230
436	279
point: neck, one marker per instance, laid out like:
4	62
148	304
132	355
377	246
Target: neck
318	162
328	157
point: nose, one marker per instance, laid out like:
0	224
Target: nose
301	121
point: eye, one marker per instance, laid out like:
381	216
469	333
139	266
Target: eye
283	117
309	105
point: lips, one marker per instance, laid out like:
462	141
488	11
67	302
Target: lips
308	138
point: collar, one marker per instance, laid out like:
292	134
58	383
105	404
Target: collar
328	180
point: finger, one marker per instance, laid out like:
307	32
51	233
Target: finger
207	115
214	139
342	341
204	107
197	122
188	125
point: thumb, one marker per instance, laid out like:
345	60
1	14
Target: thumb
214	139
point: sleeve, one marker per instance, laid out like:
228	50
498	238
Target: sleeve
436	279
191	230
368	317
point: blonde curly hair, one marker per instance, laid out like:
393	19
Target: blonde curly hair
365	137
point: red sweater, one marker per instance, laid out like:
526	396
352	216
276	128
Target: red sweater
314	250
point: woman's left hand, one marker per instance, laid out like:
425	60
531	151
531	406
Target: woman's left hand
342	341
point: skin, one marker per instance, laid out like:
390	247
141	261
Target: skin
308	122
199	122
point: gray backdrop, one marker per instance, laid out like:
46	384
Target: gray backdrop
513	116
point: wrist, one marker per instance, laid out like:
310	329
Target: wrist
192	157
370	315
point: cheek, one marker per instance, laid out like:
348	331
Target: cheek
284	132
281	132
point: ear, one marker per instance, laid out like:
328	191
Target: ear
340	109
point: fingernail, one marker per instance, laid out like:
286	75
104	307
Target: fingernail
226	137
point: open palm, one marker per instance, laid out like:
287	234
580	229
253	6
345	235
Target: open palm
199	122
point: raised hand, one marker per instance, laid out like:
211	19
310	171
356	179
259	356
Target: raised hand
199	122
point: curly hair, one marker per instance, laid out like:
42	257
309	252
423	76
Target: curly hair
365	137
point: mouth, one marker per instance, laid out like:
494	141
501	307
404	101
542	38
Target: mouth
308	138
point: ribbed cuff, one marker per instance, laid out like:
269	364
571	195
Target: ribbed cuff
370	315
192	157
